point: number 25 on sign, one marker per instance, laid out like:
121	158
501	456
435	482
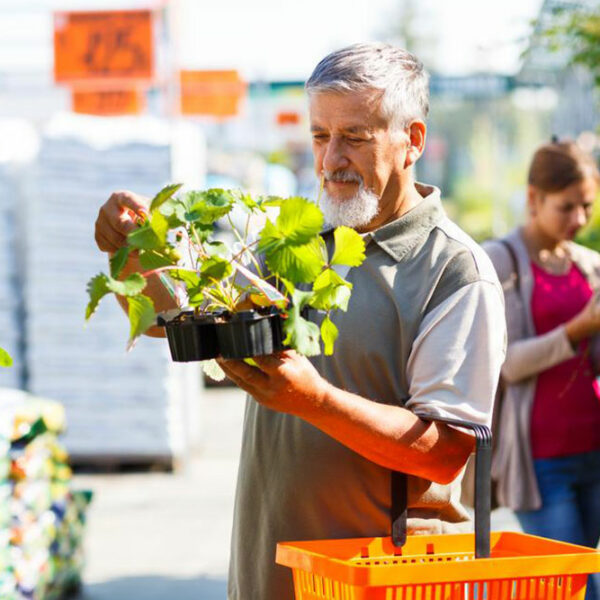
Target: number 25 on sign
103	46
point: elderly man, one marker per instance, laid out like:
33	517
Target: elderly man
424	332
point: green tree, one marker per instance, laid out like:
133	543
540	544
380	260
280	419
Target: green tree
575	31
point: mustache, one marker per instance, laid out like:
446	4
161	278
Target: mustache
342	176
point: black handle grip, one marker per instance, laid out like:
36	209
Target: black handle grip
483	462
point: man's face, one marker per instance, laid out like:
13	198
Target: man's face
359	155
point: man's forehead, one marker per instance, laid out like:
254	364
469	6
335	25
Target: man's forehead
351	111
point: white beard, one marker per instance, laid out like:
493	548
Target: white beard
357	211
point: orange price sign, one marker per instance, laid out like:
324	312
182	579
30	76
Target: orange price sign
211	93
288	118
103	46
108	102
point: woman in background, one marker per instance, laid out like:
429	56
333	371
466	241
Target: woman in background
547	458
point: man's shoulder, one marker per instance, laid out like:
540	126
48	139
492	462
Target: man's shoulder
458	262
464	256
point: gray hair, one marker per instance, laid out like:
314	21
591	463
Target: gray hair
398	74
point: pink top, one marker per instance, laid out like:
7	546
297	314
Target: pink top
565	417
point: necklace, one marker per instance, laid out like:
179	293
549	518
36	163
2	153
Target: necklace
557	261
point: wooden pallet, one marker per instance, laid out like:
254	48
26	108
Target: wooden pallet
119	463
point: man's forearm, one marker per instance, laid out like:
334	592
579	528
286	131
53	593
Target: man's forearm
391	436
154	289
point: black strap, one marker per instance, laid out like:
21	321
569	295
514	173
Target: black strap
515	264
483	461
399	508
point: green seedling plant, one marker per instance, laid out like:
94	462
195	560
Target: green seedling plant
288	266
5	358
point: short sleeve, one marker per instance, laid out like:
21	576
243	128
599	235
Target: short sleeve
454	365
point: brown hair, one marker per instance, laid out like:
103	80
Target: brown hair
557	165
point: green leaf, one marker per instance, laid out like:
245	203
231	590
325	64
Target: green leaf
190	278
349	247
130	286
152	235
195	295
298	264
301	335
5	358
208	206
217	249
155	259
270	238
174	211
271	201
329	333
299	221
216	268
248	203
97	288
141	316
118	261
160	226
201	231
330	291
164	195
102	284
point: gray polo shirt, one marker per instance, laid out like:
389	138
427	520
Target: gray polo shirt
424	330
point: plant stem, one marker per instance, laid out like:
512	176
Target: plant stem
321	186
245	245
166	268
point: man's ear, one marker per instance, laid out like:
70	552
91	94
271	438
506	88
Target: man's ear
416	132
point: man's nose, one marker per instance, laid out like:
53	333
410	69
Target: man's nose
334	157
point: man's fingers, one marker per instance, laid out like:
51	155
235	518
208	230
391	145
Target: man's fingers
243	374
140	205
106	243
272	362
269	362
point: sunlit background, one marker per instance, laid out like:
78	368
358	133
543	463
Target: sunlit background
222	106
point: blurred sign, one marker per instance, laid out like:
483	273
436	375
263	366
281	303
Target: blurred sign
108	102
103	46
211	93
478	86
288	118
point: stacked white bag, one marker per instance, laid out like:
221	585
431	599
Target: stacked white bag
123	406
17	150
9	289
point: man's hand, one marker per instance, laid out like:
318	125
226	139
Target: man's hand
286	382
119	215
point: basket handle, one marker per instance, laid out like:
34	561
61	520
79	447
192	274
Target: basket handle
483	461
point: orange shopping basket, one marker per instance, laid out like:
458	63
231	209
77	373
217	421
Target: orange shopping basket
496	566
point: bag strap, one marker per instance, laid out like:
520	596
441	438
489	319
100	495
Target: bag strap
515	264
483	461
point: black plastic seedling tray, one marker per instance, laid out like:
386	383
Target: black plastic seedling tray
229	335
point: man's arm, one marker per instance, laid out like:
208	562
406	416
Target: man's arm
117	217
388	435
453	371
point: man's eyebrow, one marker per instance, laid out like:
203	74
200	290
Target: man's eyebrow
357	129
350	129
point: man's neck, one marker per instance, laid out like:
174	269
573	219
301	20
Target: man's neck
408	198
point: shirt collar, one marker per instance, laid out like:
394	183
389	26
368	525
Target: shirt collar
398	237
